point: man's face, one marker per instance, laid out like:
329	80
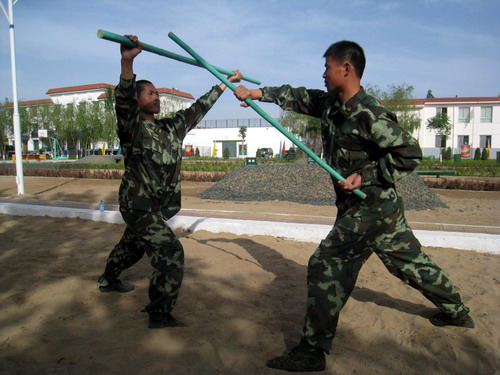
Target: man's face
333	75
149	100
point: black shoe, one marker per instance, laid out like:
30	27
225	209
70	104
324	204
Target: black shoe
117	286
302	358
163	320
442	319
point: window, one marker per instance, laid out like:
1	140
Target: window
440	141
463	140
464	114
486	114
485	141
441	110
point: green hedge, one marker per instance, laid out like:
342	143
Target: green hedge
466	167
479	168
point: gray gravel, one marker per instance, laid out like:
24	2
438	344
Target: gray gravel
306	184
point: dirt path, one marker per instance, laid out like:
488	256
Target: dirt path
469	211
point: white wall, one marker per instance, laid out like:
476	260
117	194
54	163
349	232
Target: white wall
255	138
68	98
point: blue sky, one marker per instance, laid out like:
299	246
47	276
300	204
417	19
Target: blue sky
449	46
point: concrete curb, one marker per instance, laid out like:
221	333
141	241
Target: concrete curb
488	243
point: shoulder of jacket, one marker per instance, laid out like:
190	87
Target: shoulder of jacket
376	109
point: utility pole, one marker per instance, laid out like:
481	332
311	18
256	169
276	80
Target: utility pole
15	117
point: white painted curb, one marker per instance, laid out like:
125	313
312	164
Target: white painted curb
488	243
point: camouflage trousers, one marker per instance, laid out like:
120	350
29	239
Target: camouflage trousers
149	234
335	265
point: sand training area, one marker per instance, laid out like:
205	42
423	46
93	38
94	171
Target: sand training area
243	297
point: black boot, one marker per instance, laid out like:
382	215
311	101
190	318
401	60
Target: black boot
302	358
442	319
117	285
163	320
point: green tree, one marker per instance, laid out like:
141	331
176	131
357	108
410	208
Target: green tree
484	154
5	126
59	125
92	123
28	117
477	154
447	153
440	124
66	124
108	119
399	100
243	133
48	118
306	127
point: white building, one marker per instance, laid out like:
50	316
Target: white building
221	134
475	122
171	99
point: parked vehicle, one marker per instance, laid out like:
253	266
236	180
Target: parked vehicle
265	152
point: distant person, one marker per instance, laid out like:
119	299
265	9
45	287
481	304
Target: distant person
363	142
150	191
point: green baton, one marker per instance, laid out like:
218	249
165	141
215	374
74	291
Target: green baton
103	34
261	112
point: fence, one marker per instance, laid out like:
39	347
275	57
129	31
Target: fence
234	123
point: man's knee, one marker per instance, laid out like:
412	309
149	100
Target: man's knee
168	256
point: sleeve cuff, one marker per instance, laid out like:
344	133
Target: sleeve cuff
126	83
267	94
218	89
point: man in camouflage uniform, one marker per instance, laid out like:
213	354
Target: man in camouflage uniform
150	190
363	142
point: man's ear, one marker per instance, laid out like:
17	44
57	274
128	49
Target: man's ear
348	68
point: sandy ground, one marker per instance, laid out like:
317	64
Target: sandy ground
243	297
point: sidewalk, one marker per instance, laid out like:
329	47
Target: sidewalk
64	197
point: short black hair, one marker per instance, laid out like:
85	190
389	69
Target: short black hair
139	86
350	51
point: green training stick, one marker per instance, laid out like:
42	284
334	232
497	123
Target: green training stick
103	34
261	112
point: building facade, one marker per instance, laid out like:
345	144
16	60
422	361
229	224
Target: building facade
475	123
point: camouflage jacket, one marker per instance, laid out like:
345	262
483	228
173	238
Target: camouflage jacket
360	136
153	151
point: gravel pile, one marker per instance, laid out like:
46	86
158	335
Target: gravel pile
306	184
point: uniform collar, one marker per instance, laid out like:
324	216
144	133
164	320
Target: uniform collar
348	108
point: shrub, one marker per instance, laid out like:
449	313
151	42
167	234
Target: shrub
225	153
446	153
290	154
477	154
484	154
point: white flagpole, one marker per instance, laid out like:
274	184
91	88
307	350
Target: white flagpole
15	117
